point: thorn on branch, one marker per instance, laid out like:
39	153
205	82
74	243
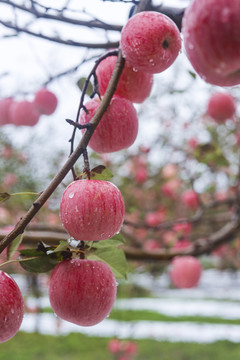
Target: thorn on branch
77	125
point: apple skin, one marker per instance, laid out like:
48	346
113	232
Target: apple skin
5	105
118	127
82	291
211	31
150	41
185	271
23	113
92	210
133	85
45	101
11	307
221	106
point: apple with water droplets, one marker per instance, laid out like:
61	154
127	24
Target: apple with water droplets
92	210
211	31
150	41
118	127
185	271
133	84
82	291
11	307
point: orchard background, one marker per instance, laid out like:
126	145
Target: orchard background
179	179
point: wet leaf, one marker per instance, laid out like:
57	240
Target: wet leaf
114	257
100	172
14	246
115	241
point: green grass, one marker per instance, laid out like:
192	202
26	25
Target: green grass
76	347
136	315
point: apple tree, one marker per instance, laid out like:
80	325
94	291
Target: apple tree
159	201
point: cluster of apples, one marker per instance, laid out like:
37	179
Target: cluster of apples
25	112
150	43
122	349
91	210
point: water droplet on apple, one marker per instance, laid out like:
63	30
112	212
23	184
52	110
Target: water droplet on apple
225	15
71	195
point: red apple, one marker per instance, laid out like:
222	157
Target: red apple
92	210
118	127
151	244
183	228
211	31
190	199
45	101
82	291
133	85
185	271
4	111
221	106
154	218
23	113
141	174
150	41
114	346
11	307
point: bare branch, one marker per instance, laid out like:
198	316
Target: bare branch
97	24
106	45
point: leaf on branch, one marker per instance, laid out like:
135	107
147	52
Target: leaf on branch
100	172
114	257
14	246
4	196
210	154
192	74
115	241
38	261
81	83
63	245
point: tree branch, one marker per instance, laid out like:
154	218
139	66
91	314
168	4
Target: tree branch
97	24
106	45
21	225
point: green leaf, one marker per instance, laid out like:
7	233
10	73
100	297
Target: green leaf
63	245
4	196
115	241
14	246
193	75
40	264
210	154
114	257
31	252
81	83
100	172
